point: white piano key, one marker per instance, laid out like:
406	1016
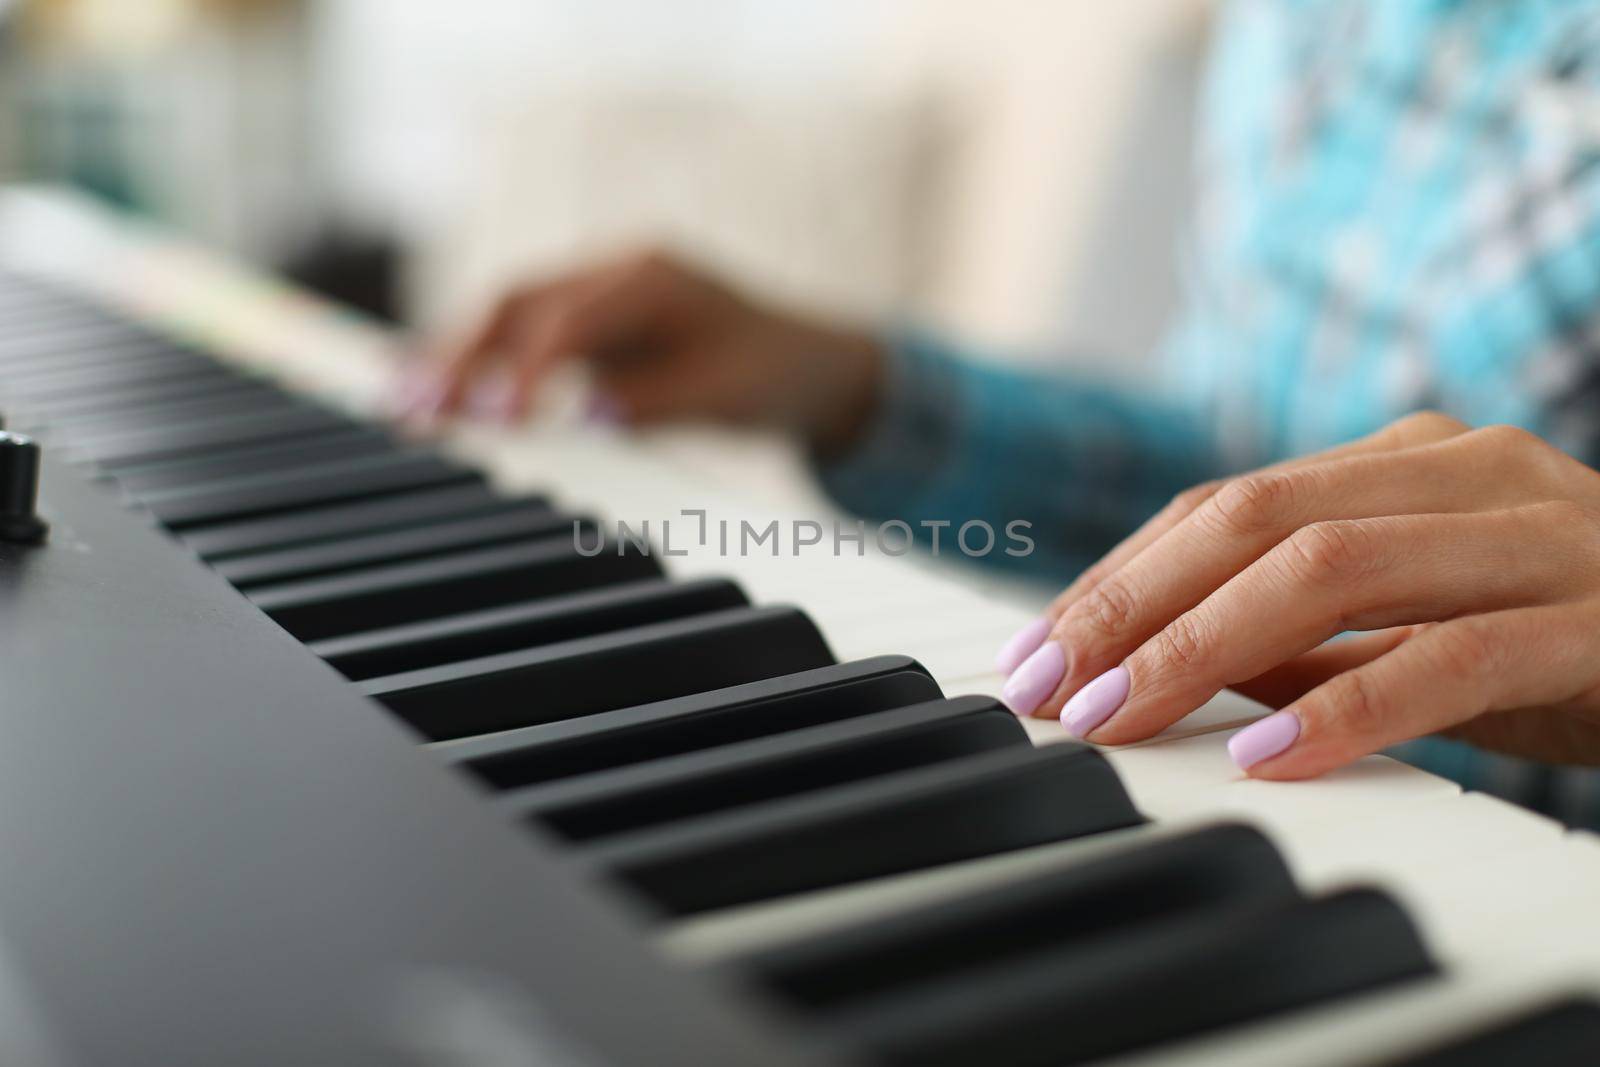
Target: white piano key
1190	775
1468	869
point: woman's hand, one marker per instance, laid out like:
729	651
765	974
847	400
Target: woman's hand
1471	556
665	341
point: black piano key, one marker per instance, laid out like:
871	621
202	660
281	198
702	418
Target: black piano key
149	349
71	358
1563	1035
24	308
328	458
82	410
553	751
313	525
1092	901
123	378
1162	981
111	380
27	306
381	597
176	415
286	454
543	622
190	439
28	295
633	798
30	307
963	810
120	417
47	342
399	546
603	673
325	483
29	301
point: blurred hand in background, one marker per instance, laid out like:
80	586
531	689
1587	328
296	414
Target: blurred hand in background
663	341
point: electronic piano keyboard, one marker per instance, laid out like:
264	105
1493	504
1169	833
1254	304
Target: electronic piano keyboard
323	745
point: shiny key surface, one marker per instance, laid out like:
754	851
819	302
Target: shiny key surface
373	598
325	522
520	526
553	751
451	638
606	672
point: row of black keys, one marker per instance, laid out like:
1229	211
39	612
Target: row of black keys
703	752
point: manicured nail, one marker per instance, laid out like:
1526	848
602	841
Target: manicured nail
505	406
602	410
407	392
431	403
422	397
1035	679
1022	645
1096	702
1264	739
484	399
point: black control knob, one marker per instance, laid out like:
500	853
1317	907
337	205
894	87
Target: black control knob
19	490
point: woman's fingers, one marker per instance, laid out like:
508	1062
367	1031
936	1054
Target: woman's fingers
447	383
534	327
1328	578
1404	535
1177	509
1235	527
435	384
1550	734
1443	676
1026	641
1422	428
614	314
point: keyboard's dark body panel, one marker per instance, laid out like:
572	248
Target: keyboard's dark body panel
215	851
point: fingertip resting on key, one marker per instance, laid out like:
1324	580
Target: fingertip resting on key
1035	679
1022	644
1096	702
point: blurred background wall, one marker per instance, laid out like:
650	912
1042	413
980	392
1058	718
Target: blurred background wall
1011	170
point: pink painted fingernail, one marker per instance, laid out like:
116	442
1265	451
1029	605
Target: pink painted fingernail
1021	645
1096	702
431	403
422	396
1034	679
506	406
407	392
603	410
1264	739
484	399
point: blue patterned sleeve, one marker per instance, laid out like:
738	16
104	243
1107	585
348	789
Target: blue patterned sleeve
957	440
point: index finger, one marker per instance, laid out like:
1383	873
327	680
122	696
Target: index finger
611	309
499	332
1426	427
1331	577
1047	660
